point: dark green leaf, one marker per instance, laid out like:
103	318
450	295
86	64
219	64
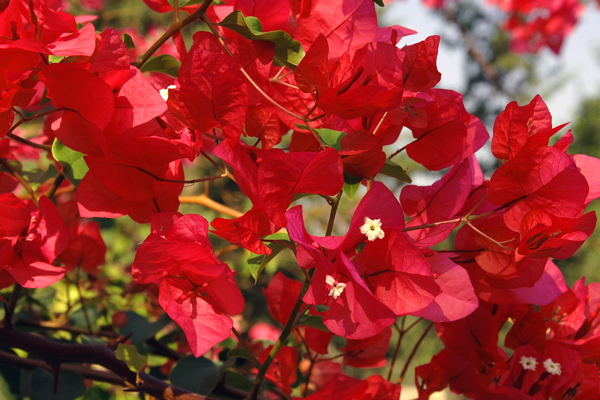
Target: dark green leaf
70	385
321	308
198	375
74	167
288	52
141	329
10	378
316	321
165	63
379	3
241	353
352	180
129	354
233	379
395	171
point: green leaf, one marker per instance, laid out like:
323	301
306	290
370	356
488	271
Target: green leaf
350	189
238	381
141	328
129	354
331	137
165	63
379	3
198	375
288	52
74	166
128	40
10	378
238	352
321	308
352	180
316	321
278	236
395	171
258	262
70	385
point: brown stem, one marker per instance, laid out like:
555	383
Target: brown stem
82	302
10	307
242	343
491	239
175	10
432	225
413	352
29	143
401	333
158	178
332	213
312	362
20	179
57	353
213	162
53	326
60	178
175	26
287	329
226	250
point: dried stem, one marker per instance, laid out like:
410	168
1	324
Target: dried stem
205	201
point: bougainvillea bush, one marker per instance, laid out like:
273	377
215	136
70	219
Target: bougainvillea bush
301	105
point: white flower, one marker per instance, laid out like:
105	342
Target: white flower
372	228
337	287
164	93
529	363
552	367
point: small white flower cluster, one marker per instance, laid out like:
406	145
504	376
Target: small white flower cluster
164	93
530	363
552	367
372	228
337	287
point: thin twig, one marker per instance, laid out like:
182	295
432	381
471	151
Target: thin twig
82	302
242	343
205	201
287	329
175	26
413	352
29	143
10	307
20	179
